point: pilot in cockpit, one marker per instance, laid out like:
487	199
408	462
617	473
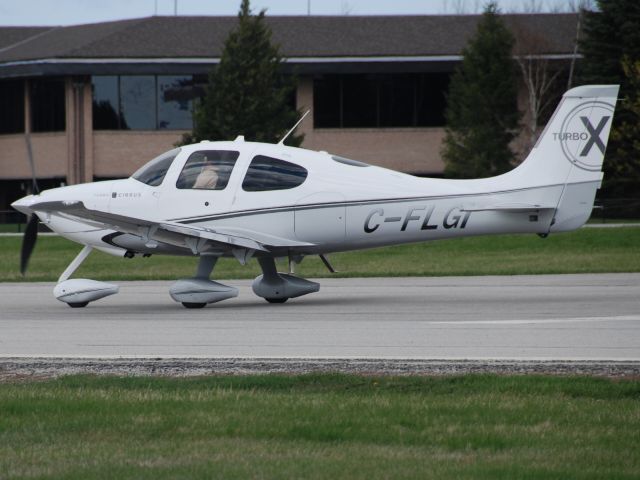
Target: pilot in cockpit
208	176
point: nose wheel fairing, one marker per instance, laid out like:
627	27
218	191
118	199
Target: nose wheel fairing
79	292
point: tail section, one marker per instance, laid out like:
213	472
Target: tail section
570	153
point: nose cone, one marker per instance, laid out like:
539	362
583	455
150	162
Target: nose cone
24	204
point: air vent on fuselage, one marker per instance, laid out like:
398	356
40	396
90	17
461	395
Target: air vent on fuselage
348	161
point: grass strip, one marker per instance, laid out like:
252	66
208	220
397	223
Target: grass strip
593	250
321	426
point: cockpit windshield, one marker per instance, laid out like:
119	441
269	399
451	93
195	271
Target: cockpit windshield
153	172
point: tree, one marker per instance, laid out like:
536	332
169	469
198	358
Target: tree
540	78
611	50
625	139
247	93
482	112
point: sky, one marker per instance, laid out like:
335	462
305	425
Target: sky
71	12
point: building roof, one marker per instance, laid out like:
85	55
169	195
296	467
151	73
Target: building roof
11	37
180	42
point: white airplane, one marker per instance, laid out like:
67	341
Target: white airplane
243	199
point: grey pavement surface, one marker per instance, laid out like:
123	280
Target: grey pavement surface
524	318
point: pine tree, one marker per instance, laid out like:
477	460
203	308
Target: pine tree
247	93
622	164
482	112
611	50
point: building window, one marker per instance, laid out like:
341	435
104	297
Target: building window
106	104
143	102
385	100
47	105
359	102
266	173
175	102
137	101
12	106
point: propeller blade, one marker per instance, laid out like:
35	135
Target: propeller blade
28	242
34	182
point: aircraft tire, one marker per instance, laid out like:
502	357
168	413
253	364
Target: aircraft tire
78	304
193	305
276	300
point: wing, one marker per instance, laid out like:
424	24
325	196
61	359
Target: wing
198	239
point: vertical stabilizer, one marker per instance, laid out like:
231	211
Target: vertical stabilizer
570	152
572	145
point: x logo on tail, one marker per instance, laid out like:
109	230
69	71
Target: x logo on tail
595	135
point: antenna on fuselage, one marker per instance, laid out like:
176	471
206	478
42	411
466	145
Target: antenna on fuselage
281	142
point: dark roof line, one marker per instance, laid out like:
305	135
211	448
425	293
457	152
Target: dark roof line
28	39
125	26
302	39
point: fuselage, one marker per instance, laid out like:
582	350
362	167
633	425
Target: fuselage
339	204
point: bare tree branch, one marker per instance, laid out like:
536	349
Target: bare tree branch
346	8
539	76
459	6
532	6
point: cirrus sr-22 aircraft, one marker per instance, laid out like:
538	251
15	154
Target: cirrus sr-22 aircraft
244	199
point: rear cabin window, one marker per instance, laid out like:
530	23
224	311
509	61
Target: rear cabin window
207	170
266	173
153	172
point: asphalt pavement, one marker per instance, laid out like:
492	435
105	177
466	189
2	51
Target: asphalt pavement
542	317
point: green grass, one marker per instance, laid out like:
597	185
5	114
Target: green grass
593	250
321	426
596	220
11	228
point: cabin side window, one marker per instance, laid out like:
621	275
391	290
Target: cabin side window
207	170
153	172
266	173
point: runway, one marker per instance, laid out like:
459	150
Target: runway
548	317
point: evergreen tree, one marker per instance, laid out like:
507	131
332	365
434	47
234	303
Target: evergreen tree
622	164
611	50
247	94
482	112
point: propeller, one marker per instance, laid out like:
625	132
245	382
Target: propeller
31	232
28	242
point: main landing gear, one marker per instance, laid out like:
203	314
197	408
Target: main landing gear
277	287
197	291
274	287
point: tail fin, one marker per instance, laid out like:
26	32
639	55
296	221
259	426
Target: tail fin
570	152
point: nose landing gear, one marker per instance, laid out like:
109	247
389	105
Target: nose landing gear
79	292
